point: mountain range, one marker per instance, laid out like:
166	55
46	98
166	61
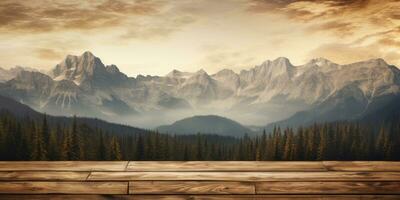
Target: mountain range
8	74
274	92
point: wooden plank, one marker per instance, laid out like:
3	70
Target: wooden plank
194	197
328	188
64	196
245	176
63	165
224	166
190	187
362	166
43	175
63	187
261	197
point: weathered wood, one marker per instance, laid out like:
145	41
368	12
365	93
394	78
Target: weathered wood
261	197
328	188
43	175
65	196
63	166
190	187
221	166
362	166
195	197
200	180
63	187
245	176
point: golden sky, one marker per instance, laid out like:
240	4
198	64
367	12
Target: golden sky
155	36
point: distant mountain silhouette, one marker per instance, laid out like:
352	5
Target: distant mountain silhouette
206	124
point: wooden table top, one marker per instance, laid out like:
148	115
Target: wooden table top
199	180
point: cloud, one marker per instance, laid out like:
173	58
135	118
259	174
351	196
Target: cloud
348	53
335	27
342	53
142	19
49	54
305	7
388	34
390	42
340	17
162	26
45	16
220	57
127	7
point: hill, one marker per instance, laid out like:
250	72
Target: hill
208	124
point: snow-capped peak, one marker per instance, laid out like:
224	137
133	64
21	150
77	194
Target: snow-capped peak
282	61
178	74
225	72
80	68
320	61
201	72
112	69
88	55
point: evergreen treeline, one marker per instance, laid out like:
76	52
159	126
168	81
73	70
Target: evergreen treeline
29	139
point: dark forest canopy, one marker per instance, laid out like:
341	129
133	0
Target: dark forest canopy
36	139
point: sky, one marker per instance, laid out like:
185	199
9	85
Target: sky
153	37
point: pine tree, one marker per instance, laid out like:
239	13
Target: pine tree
381	144
322	147
288	145
53	149
300	145
103	148
263	146
186	154
140	148
39	151
45	133
66	146
76	151
199	150
3	140
115	153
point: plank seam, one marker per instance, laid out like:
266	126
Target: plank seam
87	177
255	188
126	166
129	186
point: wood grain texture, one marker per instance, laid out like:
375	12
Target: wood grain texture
63	187
190	187
199	180
360	166
43	175
222	166
196	197
245	176
63	166
261	197
328	188
65	196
